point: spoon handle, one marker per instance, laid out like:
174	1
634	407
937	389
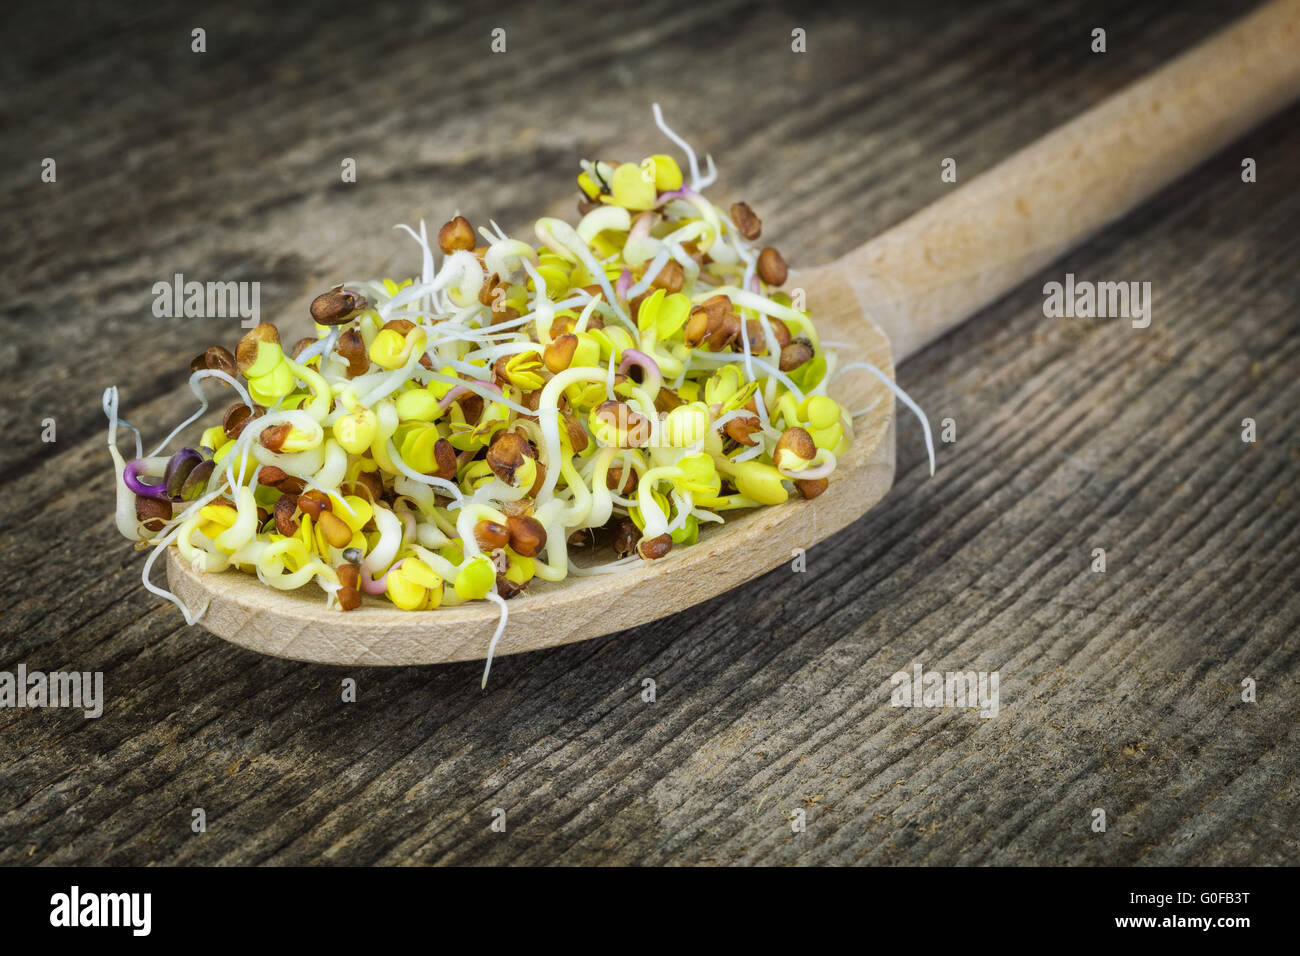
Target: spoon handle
931	271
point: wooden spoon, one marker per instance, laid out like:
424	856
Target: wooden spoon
889	298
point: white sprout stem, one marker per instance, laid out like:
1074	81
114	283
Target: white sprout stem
109	404
392	381
651	273
749	355
902	397
551	421
685	146
765	366
431	480
685	504
427	271
481	391
190	617
565	234
203	402
320	347
496	635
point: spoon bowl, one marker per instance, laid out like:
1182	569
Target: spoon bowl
298	625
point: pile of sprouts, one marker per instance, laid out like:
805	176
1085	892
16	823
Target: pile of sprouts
610	386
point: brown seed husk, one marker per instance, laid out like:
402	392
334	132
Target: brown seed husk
507	314
577	434
670	278
273	437
236	417
725	333
527	536
214	357
508	589
285	522
626	536
622	480
631	427
771	267
811	487
246	350
506	455
471	407
559	354
153	513
349	598
456	235
337	306
740	429
271	476
794	355
654	548
314	503
491	535
487	293
796	441
353	348
334	528
349	575
540	480
666	400
445	458
300	345
757	340
696	329
746	223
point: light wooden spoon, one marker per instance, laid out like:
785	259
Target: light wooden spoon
889	298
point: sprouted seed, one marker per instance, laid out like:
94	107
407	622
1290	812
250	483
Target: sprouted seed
442	438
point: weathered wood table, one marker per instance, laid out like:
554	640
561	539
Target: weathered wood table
1120	690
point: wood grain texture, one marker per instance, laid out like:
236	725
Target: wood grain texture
1119	690
936	268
